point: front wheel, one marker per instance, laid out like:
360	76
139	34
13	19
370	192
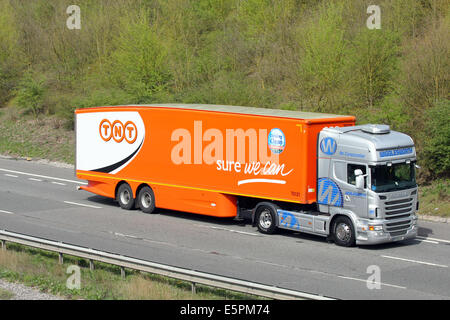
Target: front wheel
343	232
266	219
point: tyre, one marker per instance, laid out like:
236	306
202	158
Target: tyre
266	219
146	200
343	232
125	196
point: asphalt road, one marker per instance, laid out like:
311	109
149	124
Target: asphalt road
42	200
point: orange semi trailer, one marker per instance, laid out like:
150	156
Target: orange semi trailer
223	161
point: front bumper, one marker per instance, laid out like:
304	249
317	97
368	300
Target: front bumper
377	237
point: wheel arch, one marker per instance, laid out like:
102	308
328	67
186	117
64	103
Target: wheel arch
352	219
343	213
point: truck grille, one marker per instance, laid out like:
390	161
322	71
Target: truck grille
398	209
395	210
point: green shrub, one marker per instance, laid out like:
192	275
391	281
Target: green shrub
139	63
11	57
30	95
389	111
442	190
436	151
96	98
323	51
229	88
373	63
424	76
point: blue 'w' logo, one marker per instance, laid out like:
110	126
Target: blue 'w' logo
328	145
329	193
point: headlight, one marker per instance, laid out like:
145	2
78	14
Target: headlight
375	228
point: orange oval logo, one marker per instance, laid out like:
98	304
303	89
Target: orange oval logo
130	132
118	131
105	130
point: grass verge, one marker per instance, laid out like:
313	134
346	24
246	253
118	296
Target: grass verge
41	269
43	137
435	199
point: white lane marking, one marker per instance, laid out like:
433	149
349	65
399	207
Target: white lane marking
11	175
41	176
126	235
34	179
4	211
82	204
417	261
230	230
381	283
433	239
59	183
429	241
236	231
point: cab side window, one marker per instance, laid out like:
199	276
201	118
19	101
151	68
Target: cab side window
351	178
340	170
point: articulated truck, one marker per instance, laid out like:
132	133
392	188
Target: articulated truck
309	172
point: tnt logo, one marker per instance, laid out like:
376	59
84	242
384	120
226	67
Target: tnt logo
328	146
118	131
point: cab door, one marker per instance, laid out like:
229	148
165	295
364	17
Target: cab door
355	199
328	191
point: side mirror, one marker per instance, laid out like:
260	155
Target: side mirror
359	179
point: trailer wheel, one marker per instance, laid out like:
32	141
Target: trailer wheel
343	232
125	196
266	219
146	200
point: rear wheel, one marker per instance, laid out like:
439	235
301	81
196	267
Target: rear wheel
146	200
266	219
125	196
343	232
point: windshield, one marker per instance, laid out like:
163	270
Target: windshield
395	177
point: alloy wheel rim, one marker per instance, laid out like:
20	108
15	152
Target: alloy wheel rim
343	232
146	200
265	219
125	197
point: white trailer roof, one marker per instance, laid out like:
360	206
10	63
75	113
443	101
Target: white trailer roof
243	110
